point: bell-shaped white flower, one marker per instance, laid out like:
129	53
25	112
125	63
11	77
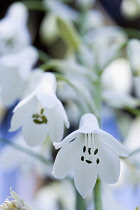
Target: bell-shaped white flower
116	91
14	72
16	204
14	34
41	114
89	151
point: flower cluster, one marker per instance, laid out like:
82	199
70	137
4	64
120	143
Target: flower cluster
16	204
95	75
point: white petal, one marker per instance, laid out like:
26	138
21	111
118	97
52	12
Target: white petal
88	123
66	158
109	163
85	176
30	55
46	100
22	111
9	91
119	100
112	142
55	124
67	139
63	113
33	133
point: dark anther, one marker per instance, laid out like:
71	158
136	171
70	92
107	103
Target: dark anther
41	111
84	149
82	158
96	151
44	119
37	121
89	151
88	161
97	161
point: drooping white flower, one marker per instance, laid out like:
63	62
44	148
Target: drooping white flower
116	88
89	151
14	34
41	114
16	204
14	72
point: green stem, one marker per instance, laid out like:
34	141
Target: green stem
80	202
27	151
98	101
97	195
98	98
35	5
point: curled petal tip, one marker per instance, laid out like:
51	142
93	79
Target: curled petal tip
56	145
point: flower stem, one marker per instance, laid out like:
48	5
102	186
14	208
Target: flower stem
27	151
97	195
80	202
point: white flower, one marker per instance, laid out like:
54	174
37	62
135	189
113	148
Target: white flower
13	30
41	114
16	204
116	88
14	72
130	8
89	151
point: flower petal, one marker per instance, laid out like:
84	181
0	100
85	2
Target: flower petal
88	123
112	142
67	139
66	158
85	176
56	124
33	133
22	111
63	113
46	100
109	163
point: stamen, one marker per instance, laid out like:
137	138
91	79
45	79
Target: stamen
84	149
96	151
41	111
89	151
97	161
40	119
88	161
82	158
